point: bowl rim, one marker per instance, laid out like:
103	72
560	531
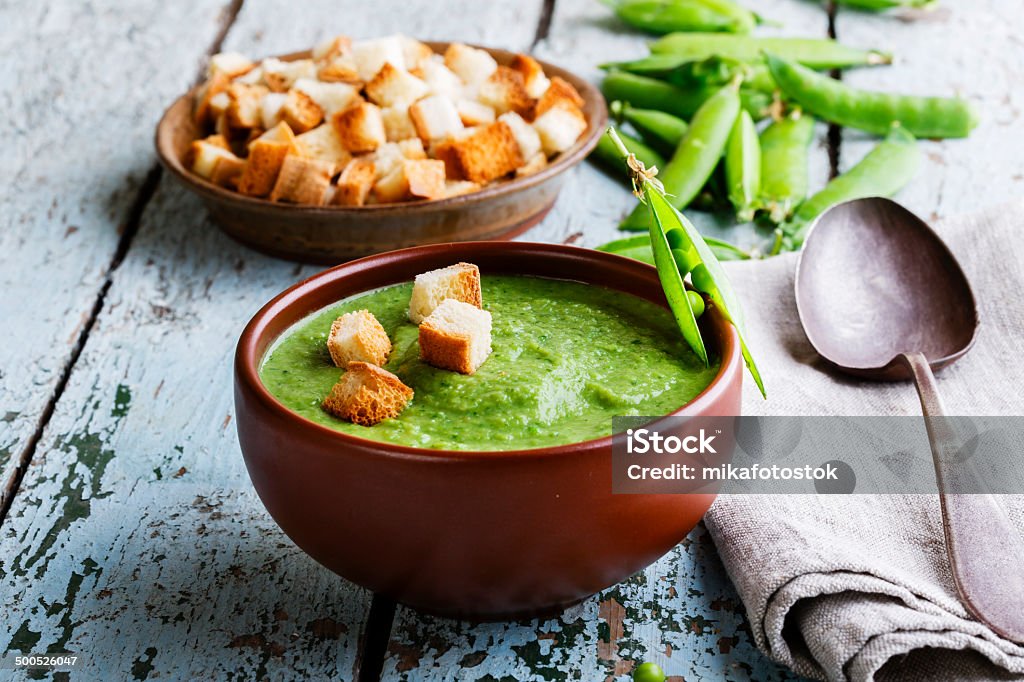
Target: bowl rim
596	125
247	359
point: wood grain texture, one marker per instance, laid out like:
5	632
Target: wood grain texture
83	84
584	33
136	537
681	613
972	49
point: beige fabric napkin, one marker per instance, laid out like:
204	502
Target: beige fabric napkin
858	587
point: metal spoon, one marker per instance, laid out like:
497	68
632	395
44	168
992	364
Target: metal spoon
881	297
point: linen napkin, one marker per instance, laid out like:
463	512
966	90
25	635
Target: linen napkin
858	587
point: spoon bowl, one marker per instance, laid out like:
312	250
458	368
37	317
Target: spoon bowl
874	282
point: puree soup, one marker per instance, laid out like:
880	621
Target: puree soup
566	358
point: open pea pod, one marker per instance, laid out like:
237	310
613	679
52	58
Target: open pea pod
706	272
672	284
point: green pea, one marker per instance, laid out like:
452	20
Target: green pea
608	156
676	238
784	146
882	173
696	303
743	167
811	52
875	112
697	155
662	131
666	16
638	247
648	672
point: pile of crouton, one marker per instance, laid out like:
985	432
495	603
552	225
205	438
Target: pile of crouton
454	334
378	121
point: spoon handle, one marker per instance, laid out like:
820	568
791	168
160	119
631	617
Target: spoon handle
986	553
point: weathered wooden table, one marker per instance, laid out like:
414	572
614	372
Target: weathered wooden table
130	533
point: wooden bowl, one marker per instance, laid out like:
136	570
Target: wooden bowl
486	535
333	234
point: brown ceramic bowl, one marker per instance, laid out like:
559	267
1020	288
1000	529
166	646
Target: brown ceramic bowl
333	234
475	534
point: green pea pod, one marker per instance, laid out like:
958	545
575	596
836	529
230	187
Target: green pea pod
743	167
697	155
811	52
784	146
706	272
665	16
638	247
882	173
651	93
714	70
660	130
882	5
875	112
608	155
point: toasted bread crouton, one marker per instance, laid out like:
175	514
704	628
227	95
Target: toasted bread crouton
371	55
358	337
230	64
504	90
456	188
218	141
271	109
330	97
367	395
302	180
253	76
322	143
393	87
245	108
387	158
227	170
412	149
470	64
266	156
560	127
280	76
440	79
398	124
300	112
537	163
460	281
435	117
526	136
207	91
456	336
205	155
219	104
488	154
332	47
360	127
534	79
355	183
414	52
559	91
473	113
444	151
422	179
340	70
283	134
425	178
